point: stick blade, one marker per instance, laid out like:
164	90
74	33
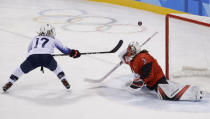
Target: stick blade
117	47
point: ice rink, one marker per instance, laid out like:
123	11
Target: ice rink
87	26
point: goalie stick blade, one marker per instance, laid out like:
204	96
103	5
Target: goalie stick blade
117	47
93	81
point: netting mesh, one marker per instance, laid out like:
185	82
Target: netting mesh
189	47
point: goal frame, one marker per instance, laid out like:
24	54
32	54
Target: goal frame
167	40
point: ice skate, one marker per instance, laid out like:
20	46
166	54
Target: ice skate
65	83
7	86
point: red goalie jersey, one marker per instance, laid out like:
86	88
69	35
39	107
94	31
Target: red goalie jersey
148	71
147	67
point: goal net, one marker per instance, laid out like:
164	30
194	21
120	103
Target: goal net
187	46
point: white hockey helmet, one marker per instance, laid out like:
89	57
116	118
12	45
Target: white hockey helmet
47	30
133	49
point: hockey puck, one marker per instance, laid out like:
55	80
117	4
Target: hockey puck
139	23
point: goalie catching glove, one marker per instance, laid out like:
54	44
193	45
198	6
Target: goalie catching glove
74	53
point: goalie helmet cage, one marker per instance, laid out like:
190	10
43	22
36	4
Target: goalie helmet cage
196	30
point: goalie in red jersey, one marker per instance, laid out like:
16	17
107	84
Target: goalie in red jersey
147	72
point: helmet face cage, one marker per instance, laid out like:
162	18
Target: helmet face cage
132	50
135	48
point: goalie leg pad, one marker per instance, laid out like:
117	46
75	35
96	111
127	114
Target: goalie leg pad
174	91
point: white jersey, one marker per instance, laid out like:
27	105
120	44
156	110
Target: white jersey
45	45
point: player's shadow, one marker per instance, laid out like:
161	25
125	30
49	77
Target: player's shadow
49	97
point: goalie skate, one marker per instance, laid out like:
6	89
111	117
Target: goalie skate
205	95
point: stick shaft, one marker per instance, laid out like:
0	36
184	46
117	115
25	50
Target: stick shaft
149	39
105	76
103	52
118	65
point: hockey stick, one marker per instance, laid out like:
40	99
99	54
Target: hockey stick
103	52
104	77
148	39
118	65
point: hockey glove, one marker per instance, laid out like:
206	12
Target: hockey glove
137	83
74	53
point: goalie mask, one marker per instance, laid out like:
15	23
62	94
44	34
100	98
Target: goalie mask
47	30
133	49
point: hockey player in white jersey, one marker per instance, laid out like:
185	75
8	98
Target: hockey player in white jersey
40	55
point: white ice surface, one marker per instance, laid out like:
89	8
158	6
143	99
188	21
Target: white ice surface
42	96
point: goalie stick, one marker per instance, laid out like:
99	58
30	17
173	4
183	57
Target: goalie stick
148	39
103	52
118	65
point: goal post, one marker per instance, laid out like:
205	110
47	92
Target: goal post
184	35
